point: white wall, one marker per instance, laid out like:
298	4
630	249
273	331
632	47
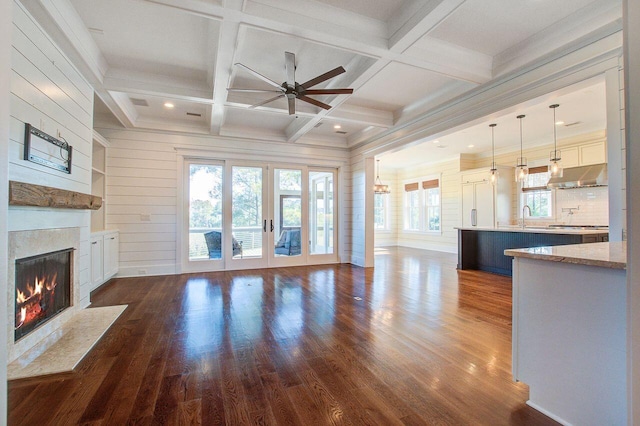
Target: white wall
5	73
142	180
631	17
48	92
389	237
450	194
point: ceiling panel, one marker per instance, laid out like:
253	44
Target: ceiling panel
263	51
376	9
259	121
150	38
491	26
399	85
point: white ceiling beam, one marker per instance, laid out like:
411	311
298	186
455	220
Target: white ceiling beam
358	34
120	106
420	23
62	22
120	80
228	40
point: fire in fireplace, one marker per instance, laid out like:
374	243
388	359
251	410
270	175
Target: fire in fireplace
43	289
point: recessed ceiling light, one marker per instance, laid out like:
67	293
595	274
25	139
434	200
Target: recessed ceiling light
470	146
436	141
337	126
559	123
168	105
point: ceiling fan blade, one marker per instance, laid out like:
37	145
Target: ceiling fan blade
267	101
260	76
290	65
230	89
323	77
314	102
329	92
292	105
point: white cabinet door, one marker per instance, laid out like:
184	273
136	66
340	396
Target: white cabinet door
97	265
468	204
570	157
111	244
484	203
594	153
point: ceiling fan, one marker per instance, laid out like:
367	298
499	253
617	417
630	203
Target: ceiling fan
291	89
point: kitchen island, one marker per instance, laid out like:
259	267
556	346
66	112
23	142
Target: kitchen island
569	331
483	248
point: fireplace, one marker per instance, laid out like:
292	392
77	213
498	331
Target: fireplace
43	289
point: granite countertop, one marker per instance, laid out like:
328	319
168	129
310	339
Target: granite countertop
537	230
607	255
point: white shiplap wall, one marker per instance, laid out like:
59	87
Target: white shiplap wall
142	180
5	72
450	191
389	237
48	92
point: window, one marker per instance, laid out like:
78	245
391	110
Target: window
412	206
535	193
422	205
381	212
431	190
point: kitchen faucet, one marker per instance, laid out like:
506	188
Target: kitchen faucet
525	207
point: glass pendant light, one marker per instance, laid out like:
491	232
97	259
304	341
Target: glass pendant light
554	158
521	165
493	171
378	187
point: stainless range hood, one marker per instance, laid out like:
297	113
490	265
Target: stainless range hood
580	177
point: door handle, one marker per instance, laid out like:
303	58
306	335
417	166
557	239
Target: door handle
264	228
474	217
271	225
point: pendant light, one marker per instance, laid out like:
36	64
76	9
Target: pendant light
493	171
378	187
521	165
554	158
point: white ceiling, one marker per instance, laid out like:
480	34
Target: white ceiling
403	58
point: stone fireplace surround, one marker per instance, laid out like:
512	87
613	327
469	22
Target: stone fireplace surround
30	243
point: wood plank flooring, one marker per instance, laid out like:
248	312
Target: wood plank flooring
425	345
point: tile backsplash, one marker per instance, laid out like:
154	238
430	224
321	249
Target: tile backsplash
582	206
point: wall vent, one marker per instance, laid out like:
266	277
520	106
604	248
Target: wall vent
139	102
341	132
194	114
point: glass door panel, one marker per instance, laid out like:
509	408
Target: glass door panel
205	212
247	226
287	214
321	209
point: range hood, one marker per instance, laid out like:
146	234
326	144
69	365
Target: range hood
580	177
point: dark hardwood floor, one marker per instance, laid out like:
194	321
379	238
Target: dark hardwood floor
411	341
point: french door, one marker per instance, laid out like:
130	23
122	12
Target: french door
245	215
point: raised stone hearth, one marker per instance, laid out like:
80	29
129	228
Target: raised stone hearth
63	349
31	243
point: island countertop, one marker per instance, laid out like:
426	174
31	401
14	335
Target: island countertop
537	230
607	255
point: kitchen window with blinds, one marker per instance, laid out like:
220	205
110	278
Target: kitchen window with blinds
422	205
536	195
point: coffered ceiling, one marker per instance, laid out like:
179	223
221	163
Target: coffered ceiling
402	57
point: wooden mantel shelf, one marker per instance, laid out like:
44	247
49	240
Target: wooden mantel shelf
27	194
